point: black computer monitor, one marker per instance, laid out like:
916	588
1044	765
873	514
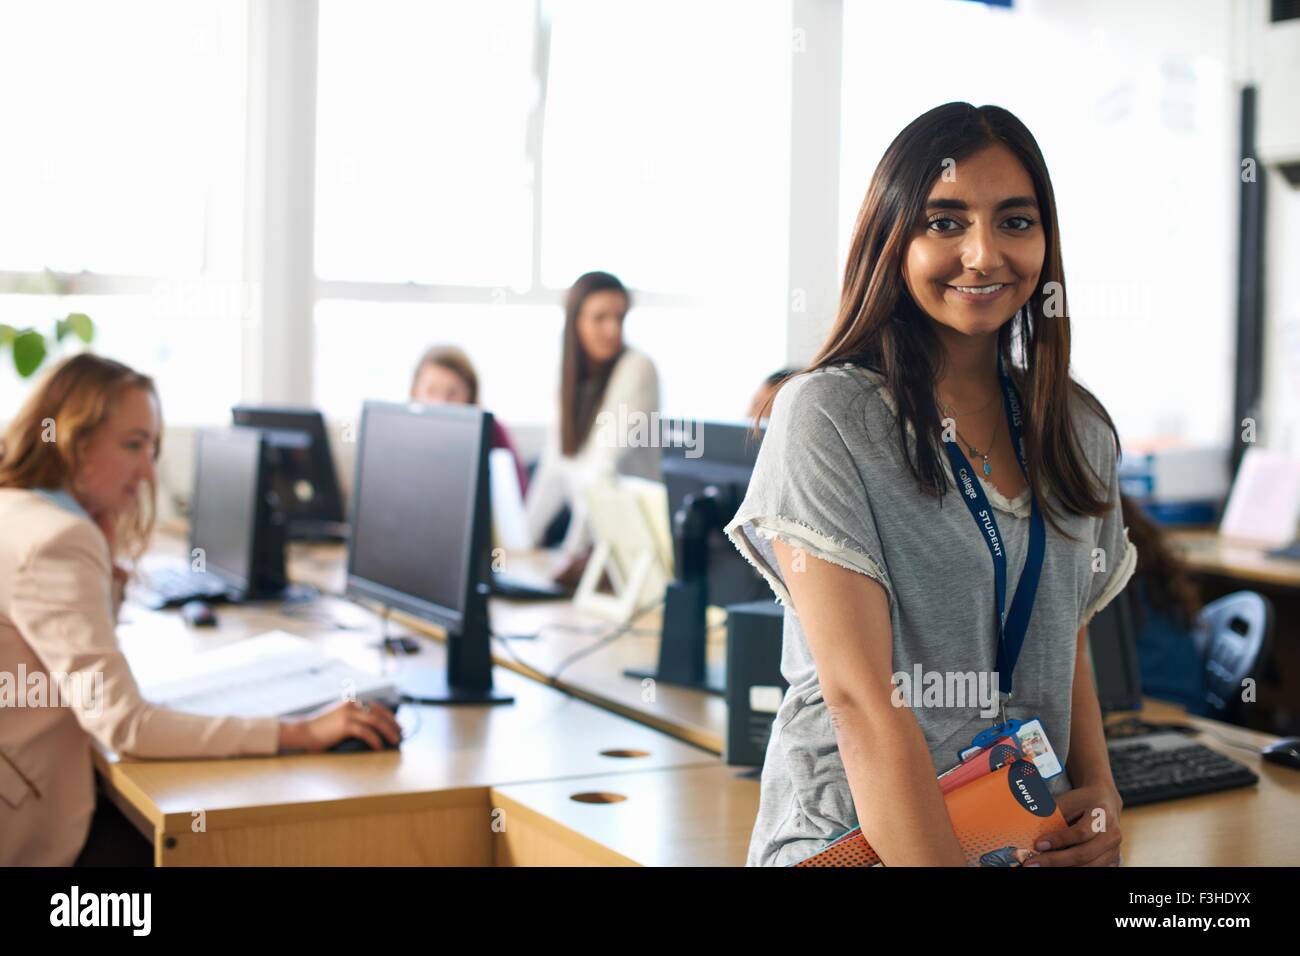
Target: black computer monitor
706	469
303	469
1112	638
236	525
717	470
420	543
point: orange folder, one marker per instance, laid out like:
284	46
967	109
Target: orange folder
997	818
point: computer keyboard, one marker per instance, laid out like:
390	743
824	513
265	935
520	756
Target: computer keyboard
170	587
1291	552
1166	766
506	586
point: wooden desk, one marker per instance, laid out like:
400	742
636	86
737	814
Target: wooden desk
694	716
426	804
519	767
1254	826
693	816
703	816
1206	554
697	718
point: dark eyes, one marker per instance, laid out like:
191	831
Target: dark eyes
942	224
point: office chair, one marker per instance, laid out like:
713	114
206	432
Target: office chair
1233	638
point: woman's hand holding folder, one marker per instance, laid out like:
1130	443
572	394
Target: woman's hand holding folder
1093	836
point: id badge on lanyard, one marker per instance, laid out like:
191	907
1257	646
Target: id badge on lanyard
1012	624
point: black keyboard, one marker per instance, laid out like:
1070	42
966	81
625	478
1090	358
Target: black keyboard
1167	766
1291	552
503	585
171	587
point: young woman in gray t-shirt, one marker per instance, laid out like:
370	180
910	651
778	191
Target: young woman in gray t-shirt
954	279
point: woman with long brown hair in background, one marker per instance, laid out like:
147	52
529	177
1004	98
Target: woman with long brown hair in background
1166	605
606	388
946	369
77	496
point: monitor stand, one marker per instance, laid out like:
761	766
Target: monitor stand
427	686
467	676
683	640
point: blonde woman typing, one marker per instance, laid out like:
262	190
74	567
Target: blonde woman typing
76	495
607	393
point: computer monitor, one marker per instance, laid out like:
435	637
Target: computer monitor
303	469
1112	638
420	543
236	525
706	468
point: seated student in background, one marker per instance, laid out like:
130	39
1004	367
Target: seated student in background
77	494
445	374
1165	608
607	390
767	391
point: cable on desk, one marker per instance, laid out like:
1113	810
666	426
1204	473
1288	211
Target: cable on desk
553	679
313	614
1231	743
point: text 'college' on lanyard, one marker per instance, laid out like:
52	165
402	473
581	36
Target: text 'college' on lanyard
1013	625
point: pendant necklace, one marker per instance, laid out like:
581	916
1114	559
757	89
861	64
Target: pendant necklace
949	412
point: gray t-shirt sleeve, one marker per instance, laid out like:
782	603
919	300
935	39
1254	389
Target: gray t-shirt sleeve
1114	557
807	487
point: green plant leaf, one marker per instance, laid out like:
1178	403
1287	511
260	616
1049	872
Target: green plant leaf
29	352
80	325
7	333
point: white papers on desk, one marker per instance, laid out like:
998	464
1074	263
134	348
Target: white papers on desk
1265	502
271	675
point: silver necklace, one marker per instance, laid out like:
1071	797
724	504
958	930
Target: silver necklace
952	413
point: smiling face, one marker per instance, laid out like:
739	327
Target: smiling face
119	456
976	256
600	325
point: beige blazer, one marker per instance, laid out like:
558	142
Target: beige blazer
57	616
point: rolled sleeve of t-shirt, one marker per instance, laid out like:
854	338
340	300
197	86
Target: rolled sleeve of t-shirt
807	488
1113	557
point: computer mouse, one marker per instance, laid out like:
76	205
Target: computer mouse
352	745
1285	751
198	614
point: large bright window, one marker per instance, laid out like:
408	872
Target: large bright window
473	160
667	142
422	169
123	170
1134	119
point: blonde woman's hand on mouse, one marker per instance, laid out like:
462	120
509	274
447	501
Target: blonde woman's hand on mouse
372	722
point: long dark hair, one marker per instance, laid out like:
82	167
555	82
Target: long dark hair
577	417
1169	587
879	326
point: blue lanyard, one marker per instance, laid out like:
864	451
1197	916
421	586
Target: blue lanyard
1012	627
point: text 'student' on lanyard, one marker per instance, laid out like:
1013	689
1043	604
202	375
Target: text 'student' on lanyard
1013	624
